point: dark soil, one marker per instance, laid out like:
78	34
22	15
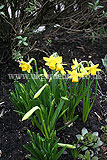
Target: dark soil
13	132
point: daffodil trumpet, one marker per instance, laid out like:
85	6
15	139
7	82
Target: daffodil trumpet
25	66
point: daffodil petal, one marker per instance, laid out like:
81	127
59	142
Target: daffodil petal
63	72
69	71
46	59
59	59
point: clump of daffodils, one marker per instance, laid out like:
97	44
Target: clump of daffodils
78	70
55	63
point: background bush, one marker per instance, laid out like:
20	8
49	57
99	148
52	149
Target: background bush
23	17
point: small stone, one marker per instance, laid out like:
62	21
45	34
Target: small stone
65	152
89	56
70	125
0	153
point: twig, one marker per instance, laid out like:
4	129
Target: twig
9	24
35	49
99	118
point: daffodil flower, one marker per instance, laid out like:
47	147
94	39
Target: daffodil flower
76	64
74	75
93	69
52	61
83	71
25	66
59	67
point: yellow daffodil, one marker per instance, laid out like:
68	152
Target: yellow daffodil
51	61
84	72
93	69
25	66
76	64
74	75
59	67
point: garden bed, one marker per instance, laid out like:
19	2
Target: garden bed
13	131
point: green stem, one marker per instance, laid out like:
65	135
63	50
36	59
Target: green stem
44	125
36	66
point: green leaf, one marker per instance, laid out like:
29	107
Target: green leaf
99	143
95	134
79	136
71	121
25	43
24	39
35	1
29	113
1	7
36	122
60	152
97	2
84	148
90	4
31	150
84	131
19	112
91	153
95	158
80	156
19	37
100	7
104	61
13	95
63	112
81	96
19	42
56	114
31	158
31	3
87	153
3	14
